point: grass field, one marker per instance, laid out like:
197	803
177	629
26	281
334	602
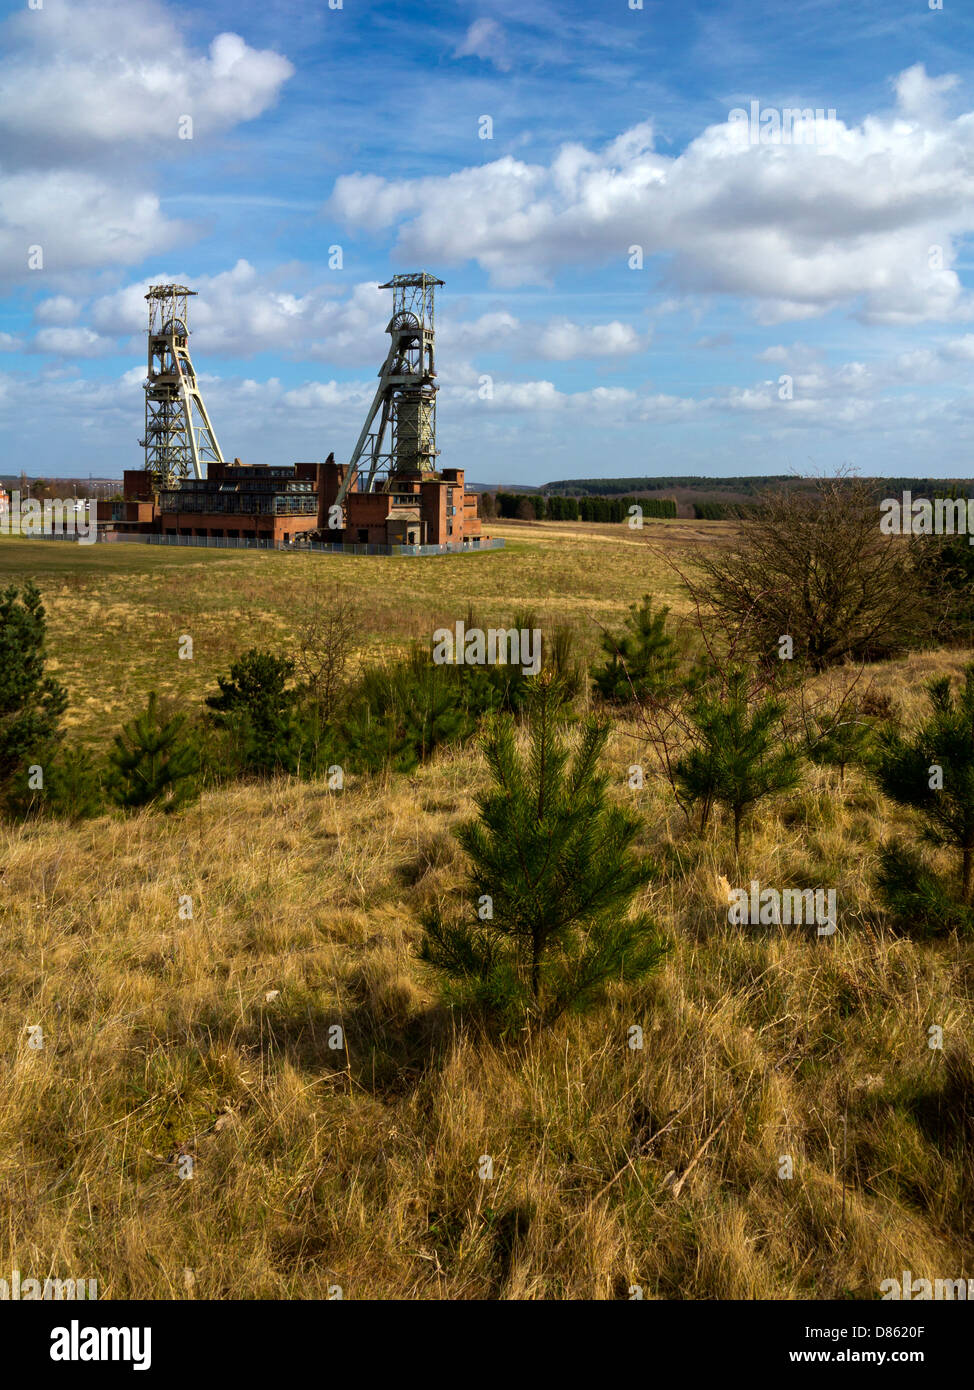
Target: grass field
358	1167
117	612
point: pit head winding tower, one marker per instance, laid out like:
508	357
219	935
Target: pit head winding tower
398	439
178	433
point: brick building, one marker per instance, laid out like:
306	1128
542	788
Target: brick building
280	504
430	510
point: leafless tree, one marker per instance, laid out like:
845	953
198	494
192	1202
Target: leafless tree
812	564
327	629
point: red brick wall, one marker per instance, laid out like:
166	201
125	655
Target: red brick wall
214	523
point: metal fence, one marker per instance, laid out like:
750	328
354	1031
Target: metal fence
240	543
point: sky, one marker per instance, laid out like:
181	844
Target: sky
650	268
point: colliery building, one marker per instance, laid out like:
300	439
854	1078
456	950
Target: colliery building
390	493
284	504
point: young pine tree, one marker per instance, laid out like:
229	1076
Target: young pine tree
639	662
31	703
932	772
398	714
259	709
836	740
153	762
918	898
552	878
739	754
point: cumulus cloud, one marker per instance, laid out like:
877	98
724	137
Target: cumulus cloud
58	308
242	311
78	221
870	410
73	147
73	342
563	340
960	349
555	340
147	79
325	395
798	229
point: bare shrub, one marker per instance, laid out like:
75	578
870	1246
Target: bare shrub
327	629
814	565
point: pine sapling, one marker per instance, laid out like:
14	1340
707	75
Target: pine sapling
836	740
258	707
739	753
553	877
31	702
932	771
153	762
641	661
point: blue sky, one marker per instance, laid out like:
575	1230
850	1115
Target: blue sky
804	301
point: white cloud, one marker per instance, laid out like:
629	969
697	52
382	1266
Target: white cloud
862	408
77	220
556	340
73	342
530	397
86	90
59	309
52	110
798	229
485	39
960	349
563	340
243	311
796	355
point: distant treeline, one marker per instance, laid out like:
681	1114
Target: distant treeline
610	486
536	507
750	487
922	487
721	511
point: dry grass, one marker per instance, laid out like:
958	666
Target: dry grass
315	1167
117	612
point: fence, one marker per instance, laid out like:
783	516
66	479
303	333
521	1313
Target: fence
239	543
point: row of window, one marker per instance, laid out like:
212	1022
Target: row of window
240	503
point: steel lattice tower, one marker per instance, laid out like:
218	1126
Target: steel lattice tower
405	401
178	433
